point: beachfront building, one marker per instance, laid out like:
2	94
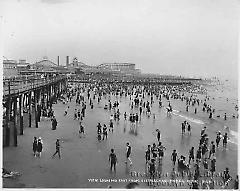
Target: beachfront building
22	65
77	64
124	68
9	68
78	67
117	66
44	66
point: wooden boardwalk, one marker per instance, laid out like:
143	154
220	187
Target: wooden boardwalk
16	86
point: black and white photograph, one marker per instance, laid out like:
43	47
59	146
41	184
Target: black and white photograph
119	94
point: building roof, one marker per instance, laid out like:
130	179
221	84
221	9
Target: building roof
9	62
45	63
22	64
120	64
79	65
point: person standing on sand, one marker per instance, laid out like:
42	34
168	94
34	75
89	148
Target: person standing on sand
57	149
225	116
35	143
225	138
189	128
218	138
212	150
161	149
105	133
75	114
158	135
39	147
81	129
183	128
128	153
174	157
191	155
152	169
111	125
54	123
125	116
203	131
113	160
148	154
213	166
210	115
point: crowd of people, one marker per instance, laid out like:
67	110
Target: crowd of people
201	159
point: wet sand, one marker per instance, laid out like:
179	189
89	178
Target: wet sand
87	158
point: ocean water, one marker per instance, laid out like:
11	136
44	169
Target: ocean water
226	98
223	97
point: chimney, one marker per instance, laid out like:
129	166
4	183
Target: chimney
67	61
58	60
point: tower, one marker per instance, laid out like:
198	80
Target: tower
67	61
58	60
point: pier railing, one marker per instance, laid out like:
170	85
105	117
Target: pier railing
20	85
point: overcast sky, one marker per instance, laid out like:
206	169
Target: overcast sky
183	37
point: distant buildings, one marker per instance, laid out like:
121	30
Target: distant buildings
22	65
77	64
46	66
124	68
12	68
121	68
117	66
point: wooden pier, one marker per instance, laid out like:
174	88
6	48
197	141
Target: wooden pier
27	95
